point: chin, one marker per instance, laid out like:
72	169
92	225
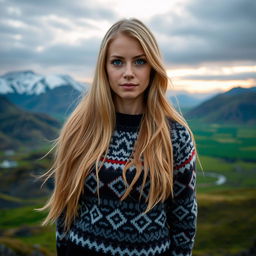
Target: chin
129	97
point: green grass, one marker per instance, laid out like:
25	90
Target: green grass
239	174
205	180
225	141
13	221
226	222
11	198
10	218
23	248
45	236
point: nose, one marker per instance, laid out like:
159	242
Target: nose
128	72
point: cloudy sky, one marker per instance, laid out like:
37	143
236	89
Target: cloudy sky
206	45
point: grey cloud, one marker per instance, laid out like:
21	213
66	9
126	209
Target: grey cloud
84	54
228	11
33	14
18	54
15	57
36	28
30	37
57	24
57	55
8	30
240	76
64	8
213	32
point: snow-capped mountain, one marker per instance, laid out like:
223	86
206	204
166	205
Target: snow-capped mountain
56	95
30	83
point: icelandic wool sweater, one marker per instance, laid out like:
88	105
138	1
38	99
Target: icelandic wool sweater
120	228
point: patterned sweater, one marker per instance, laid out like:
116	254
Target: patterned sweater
119	228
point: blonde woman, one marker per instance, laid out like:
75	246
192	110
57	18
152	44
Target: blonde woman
124	167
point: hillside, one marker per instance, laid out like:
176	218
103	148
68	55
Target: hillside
58	102
19	128
237	106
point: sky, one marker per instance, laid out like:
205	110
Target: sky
207	46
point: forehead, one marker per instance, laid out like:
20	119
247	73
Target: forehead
123	45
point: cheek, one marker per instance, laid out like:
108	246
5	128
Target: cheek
112	75
146	74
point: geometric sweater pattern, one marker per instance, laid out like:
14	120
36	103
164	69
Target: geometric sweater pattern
109	226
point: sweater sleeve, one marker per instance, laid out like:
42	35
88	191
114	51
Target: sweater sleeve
182	208
61	236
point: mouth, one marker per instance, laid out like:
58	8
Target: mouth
129	85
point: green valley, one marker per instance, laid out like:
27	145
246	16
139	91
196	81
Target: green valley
226	218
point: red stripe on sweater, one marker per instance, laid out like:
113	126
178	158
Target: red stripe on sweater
113	161
124	162
186	162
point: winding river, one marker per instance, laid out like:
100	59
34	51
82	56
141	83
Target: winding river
220	179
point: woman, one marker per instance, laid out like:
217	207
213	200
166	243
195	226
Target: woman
125	159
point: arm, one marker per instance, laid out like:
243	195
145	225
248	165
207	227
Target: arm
61	236
182	208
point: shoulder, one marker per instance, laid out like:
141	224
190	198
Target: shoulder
178	131
180	135
182	143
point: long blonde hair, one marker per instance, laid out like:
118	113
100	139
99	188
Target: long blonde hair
85	137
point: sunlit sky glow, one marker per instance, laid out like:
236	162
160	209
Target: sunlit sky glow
206	47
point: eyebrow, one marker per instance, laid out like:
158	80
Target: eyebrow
121	57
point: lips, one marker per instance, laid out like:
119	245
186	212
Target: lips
128	85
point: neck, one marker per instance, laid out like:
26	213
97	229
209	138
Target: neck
129	106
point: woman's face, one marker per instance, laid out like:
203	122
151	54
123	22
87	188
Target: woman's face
128	70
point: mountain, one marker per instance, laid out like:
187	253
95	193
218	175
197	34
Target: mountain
240	90
56	95
237	106
19	128
30	83
187	100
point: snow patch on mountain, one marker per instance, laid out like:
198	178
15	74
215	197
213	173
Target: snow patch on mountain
30	83
4	87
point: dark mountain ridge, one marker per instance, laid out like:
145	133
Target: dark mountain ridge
237	106
19	128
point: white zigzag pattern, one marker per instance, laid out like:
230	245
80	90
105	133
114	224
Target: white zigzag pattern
116	145
118	251
121	152
59	235
115	166
131	135
183	156
123	137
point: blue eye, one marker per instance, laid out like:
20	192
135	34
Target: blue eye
140	61
116	62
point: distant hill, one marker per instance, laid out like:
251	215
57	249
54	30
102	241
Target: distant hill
186	100
55	95
237	106
240	90
19	128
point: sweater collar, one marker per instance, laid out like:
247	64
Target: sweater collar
131	122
